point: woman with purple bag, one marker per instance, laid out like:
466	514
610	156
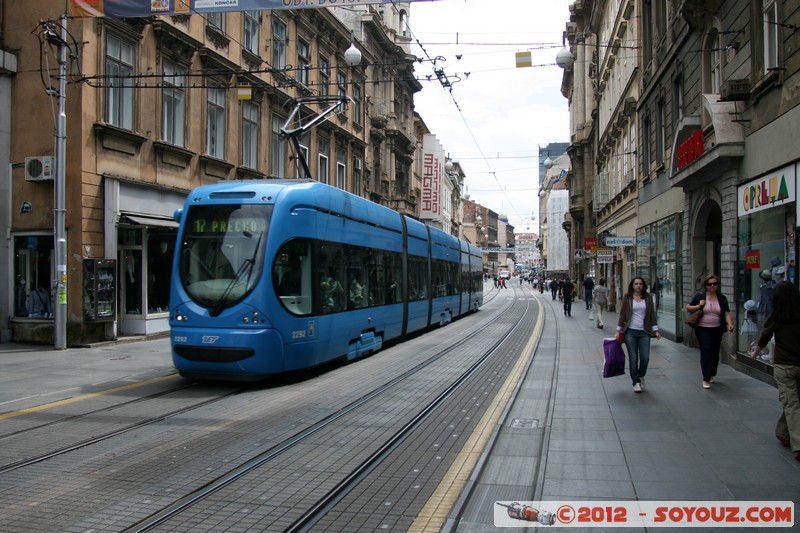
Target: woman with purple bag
637	324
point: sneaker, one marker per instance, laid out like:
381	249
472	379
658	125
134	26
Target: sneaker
641	382
706	385
711	380
637	388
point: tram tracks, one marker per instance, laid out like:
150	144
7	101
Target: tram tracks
325	429
35	434
348	481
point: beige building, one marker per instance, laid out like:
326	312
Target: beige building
158	106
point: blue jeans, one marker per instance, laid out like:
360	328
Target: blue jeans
638	344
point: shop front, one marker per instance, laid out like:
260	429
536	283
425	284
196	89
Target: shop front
658	262
767	255
141	233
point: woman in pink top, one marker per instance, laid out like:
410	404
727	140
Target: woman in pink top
715	321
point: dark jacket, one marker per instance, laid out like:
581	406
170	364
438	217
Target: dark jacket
649	315
723	306
787	341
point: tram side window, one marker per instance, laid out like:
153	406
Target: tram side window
417	278
291	276
331	278
392	268
358	279
445	278
385	269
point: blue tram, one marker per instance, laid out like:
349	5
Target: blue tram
281	275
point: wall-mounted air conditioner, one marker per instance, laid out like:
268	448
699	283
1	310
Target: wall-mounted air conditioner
40	168
733	90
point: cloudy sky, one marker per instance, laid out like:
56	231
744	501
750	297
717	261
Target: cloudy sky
494	119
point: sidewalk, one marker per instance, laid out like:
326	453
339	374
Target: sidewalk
32	374
673	441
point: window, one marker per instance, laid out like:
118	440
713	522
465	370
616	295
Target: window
119	92
324	156
173	104
357	170
303	141
417	278
215	123
278	148
714	50
332	279
324	75
357	105
769	11
677	102
661	132
341	168
646	146
341	90
291	276
249	134
279	39
33	275
160	248
216	20
303	62
252	26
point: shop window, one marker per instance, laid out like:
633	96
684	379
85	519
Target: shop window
33	275
160	249
767	255
132	272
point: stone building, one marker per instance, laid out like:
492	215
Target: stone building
695	156
158	105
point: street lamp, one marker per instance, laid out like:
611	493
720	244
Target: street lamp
564	58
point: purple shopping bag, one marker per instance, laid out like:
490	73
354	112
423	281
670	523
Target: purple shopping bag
614	364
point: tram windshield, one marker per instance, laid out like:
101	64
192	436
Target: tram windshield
222	253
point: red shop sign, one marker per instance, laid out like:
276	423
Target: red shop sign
752	259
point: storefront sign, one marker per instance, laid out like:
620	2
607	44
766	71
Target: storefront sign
589	243
690	149
620	241
752	259
605	255
770	190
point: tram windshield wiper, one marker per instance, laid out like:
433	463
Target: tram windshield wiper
246	266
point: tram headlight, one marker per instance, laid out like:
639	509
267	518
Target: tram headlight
252	318
179	317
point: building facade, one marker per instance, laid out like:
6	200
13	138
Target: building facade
694	150
158	106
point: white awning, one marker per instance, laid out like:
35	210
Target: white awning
148	220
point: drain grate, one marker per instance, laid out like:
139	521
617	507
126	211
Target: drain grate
525	423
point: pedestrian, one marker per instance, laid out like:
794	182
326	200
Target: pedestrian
636	325
554	288
599	294
715	320
567	292
588	287
784	323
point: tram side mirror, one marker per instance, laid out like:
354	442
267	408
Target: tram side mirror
177	215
